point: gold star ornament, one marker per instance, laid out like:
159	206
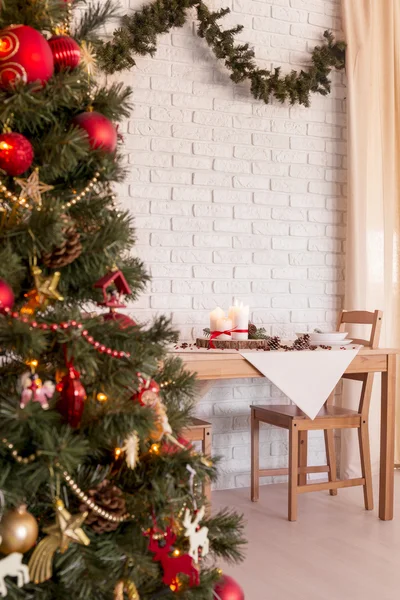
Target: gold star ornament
88	58
66	530
44	292
33	188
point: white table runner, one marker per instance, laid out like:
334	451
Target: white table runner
307	377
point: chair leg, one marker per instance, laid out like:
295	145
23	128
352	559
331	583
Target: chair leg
303	451
255	457
331	457
293	470
363	438
206	448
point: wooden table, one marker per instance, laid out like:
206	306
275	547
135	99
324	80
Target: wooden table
211	366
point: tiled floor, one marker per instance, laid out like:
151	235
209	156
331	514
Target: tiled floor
335	551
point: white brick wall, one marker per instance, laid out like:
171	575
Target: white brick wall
237	199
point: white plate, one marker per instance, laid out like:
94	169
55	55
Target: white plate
325	337
335	343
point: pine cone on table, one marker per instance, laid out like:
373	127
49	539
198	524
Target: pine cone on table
68	250
274	343
302	343
109	497
252	330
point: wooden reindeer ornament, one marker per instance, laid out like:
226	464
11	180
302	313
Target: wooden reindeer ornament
12	566
198	536
173	566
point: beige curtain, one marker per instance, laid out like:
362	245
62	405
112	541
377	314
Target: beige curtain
372	29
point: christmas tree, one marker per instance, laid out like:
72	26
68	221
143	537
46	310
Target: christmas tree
100	496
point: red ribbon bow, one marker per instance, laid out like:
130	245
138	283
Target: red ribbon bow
215	334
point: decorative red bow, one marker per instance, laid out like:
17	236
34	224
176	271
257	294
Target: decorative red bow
215	334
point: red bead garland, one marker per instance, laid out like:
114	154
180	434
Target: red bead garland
101	348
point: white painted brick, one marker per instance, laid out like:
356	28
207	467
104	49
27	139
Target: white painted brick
186	101
251	8
289	214
307	201
288	14
213	119
213	210
307	172
270	286
306	287
230	106
233	226
289	273
231	136
231	257
307	143
289	156
232	166
306	259
270	228
152	222
244	122
289	185
325	274
289	243
324	245
252	212
210	302
267	168
270	258
170	301
324	216
289	302
170	114
203	148
191	194
191	132
191	287
252	153
172	271
212	179
170	145
150	159
191	256
213	241
307	229
191	224
251	242
232	196
192	162
270	140
173	176
307	316
171	239
270	25
271	198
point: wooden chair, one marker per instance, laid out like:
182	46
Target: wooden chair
200	431
329	418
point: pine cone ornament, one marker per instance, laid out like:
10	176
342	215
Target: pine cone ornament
109	497
68	250
274	343
252	330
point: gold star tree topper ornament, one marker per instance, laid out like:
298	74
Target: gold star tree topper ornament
66	530
32	187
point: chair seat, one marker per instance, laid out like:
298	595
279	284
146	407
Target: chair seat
293	412
197	423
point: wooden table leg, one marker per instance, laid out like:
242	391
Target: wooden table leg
386	477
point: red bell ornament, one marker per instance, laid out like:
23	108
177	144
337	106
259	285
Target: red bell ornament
101	132
72	397
228	589
66	52
6	295
25	55
16	153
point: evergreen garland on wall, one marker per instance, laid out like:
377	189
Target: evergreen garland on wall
138	33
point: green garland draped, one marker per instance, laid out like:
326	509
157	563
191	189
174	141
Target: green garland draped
138	33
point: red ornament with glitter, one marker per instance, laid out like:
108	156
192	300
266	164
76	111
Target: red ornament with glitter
72	397
175	565
25	55
6	296
147	393
101	132
16	153
66	52
228	589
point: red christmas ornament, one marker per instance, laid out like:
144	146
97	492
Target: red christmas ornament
123	320
6	295
66	52
72	397
147	393
16	153
102	133
228	589
173	566
25	55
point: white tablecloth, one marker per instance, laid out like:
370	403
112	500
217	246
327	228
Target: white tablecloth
307	377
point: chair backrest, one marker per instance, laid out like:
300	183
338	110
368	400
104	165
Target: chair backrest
363	317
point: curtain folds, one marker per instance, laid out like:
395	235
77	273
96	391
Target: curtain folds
372	29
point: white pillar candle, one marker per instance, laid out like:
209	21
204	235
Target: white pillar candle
224	324
216	314
240	318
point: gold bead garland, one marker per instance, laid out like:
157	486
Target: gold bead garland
25	460
92	505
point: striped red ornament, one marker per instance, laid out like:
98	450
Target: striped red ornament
66	52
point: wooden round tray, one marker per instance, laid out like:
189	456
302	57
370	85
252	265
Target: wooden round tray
232	344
